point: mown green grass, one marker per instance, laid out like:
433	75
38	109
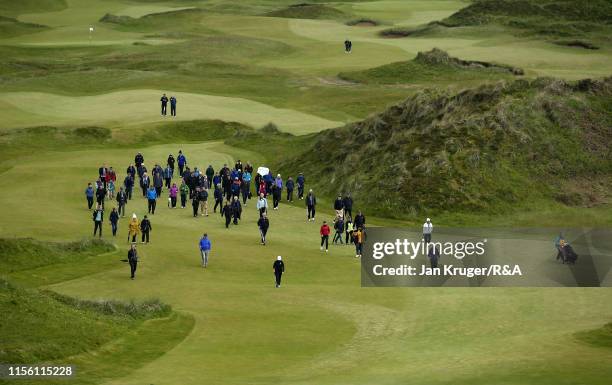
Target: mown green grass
320	319
320	327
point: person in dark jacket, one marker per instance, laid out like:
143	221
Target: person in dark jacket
339	206
311	203
236	210
203	194
359	221
182	161
145	229
128	183
290	186
276	196
348	46
98	218
89	194
131	170
172	106
264	224
133	260
434	256
195	201
158	180
101	195
139	161
279	268
348	205
164	104
244	190
300	183
122	199
102	171
145	183
210	174
171	161
114	219
339	230
168	174
218	194
227	212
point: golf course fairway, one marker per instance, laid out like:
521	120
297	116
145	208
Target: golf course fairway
256	84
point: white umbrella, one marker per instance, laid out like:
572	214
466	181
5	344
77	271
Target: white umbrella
263	170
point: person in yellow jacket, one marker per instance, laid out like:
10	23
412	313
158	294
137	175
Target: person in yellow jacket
134	228
358	240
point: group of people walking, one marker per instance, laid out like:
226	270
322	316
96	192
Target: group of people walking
230	188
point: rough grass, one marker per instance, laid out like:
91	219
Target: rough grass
308	11
10	7
431	67
577	43
363	22
441	151
548	17
601	337
10	27
43	326
17	254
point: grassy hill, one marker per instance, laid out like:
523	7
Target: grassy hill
564	20
307	11
487	149
13	8
10	27
431	66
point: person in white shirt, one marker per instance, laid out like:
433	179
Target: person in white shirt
427	229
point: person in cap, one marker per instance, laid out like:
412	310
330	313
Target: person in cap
427	230
133	228
279	268
205	247
164	104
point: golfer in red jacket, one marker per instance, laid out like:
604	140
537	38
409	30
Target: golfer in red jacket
325	230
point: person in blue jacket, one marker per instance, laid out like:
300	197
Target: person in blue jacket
300	182
182	161
89	194
205	247
152	199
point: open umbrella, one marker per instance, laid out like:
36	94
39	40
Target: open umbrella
263	170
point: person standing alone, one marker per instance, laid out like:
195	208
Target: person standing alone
133	259
172	106
205	247
325	230
164	104
311	203
279	268
427	230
